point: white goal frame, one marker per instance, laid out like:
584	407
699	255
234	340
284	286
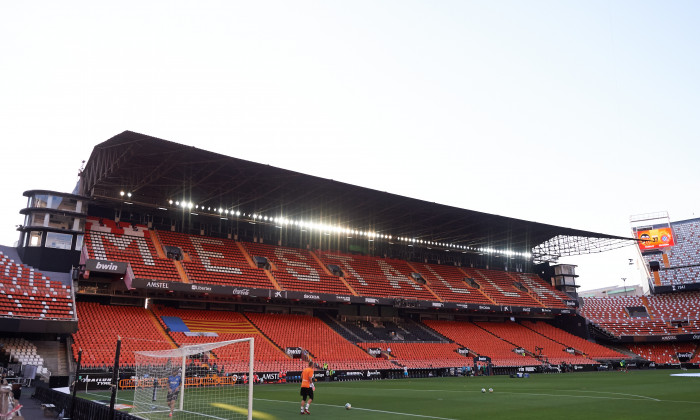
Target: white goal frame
188	350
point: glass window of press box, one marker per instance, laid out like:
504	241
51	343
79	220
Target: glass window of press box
56	202
56	221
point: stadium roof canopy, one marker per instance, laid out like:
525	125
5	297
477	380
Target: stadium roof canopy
156	171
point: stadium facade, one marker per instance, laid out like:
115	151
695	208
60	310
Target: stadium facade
182	246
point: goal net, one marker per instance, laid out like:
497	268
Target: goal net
203	381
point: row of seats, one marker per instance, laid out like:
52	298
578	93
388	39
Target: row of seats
229	326
224	262
22	351
132	245
314	336
215	261
680	264
533	342
499	285
296	269
26	293
665	352
378	277
99	327
664	314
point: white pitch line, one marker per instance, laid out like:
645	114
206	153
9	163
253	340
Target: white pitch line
364	409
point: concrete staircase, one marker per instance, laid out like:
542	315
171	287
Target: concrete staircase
55	356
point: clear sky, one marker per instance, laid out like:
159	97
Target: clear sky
572	113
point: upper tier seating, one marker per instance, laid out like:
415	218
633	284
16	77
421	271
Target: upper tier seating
542	291
675	306
423	355
377	277
229	326
612	315
100	325
529	340
683	258
25	293
314	336
216	261
592	350
500	287
447	282
297	269
106	240
482	342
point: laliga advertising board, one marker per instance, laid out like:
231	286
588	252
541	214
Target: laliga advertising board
655	238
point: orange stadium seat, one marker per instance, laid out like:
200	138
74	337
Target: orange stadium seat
215	261
377	277
297	269
314	336
26	293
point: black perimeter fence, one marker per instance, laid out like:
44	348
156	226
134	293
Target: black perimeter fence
83	410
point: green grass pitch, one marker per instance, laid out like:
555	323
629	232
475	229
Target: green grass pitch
591	395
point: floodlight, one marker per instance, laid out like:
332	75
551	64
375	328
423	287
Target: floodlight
170	201
238	213
121	193
128	194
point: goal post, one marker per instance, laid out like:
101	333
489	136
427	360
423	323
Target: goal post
215	381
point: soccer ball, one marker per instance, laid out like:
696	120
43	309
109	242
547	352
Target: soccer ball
483	389
348	406
490	389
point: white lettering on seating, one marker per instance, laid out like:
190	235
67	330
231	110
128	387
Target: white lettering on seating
121	242
503	292
206	256
345	262
443	281
312	273
539	290
394	276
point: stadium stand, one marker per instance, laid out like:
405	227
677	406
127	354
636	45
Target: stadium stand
99	327
542	291
585	347
26	293
107	240
534	343
315	337
680	264
226	325
663	353
482	342
378	277
613	314
501	288
423	355
296	269
19	350
448	282
216	261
